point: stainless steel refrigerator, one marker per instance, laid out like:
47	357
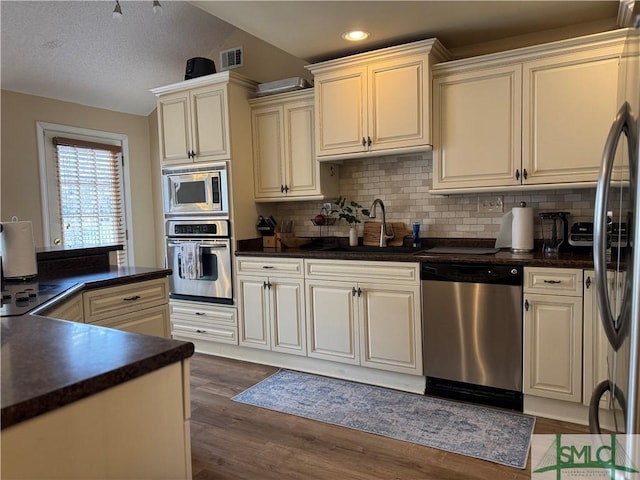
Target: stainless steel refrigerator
616	252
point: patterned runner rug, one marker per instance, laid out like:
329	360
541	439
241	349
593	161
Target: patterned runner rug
481	432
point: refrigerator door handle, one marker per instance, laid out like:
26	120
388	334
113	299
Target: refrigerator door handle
615	329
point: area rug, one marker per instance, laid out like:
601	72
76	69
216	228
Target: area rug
495	435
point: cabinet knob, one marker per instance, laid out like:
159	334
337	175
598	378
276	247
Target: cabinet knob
588	282
517	174
369	142
353	291
264	285
364	142
524	174
526	305
359	292
281	188
286	188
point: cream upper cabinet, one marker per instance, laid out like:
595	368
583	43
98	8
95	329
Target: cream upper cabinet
194	125
376	102
285	166
535	116
553	333
568	106
476	128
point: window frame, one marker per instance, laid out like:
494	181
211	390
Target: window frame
44	132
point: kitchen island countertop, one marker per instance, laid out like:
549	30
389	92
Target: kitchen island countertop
48	363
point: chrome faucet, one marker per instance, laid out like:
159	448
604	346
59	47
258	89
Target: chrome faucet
383	229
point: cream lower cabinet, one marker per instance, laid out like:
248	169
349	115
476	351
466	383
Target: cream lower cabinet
598	354
204	321
69	309
141	307
271	304
137	429
354	319
553	333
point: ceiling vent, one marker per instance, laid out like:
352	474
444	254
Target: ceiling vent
231	58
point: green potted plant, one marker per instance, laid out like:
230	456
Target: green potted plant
350	212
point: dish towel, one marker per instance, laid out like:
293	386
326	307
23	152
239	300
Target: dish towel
189	251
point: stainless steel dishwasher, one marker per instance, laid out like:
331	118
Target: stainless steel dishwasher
472	332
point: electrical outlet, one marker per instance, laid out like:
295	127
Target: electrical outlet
491	204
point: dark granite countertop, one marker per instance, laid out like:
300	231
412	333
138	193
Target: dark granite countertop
337	250
49	363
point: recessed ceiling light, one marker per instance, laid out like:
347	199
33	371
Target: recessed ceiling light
355	35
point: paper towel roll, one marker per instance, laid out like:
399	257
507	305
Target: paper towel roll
522	229
18	250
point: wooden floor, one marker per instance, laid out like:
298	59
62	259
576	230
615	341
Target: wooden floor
230	440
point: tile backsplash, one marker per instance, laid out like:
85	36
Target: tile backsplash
403	183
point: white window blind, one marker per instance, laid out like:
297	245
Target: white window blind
90	198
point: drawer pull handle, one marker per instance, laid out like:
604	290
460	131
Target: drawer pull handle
132	299
200	313
553	282
267	266
201	331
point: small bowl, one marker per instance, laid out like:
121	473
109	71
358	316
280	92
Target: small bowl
327	221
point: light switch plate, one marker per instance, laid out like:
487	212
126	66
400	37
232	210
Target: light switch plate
493	204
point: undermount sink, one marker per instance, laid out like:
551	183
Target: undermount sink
372	249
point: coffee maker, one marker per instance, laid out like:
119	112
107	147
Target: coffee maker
555	232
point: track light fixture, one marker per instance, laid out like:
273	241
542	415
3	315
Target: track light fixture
117	11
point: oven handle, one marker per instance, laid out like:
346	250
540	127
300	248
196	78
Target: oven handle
207	245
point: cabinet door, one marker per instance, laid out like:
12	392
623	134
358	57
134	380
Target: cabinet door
152	321
253	312
268	151
209	112
390	324
476	130
174	125
70	309
599	363
287	316
341	111
332	326
302	169
398	103
569	103
553	347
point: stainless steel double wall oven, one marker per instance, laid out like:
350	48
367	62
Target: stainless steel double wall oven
198	234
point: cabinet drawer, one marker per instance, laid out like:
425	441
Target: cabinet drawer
559	281
181	328
290	267
202	313
151	321
363	271
123	299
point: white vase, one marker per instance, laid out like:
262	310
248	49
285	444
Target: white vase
353	236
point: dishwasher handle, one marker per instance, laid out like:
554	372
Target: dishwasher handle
472	273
